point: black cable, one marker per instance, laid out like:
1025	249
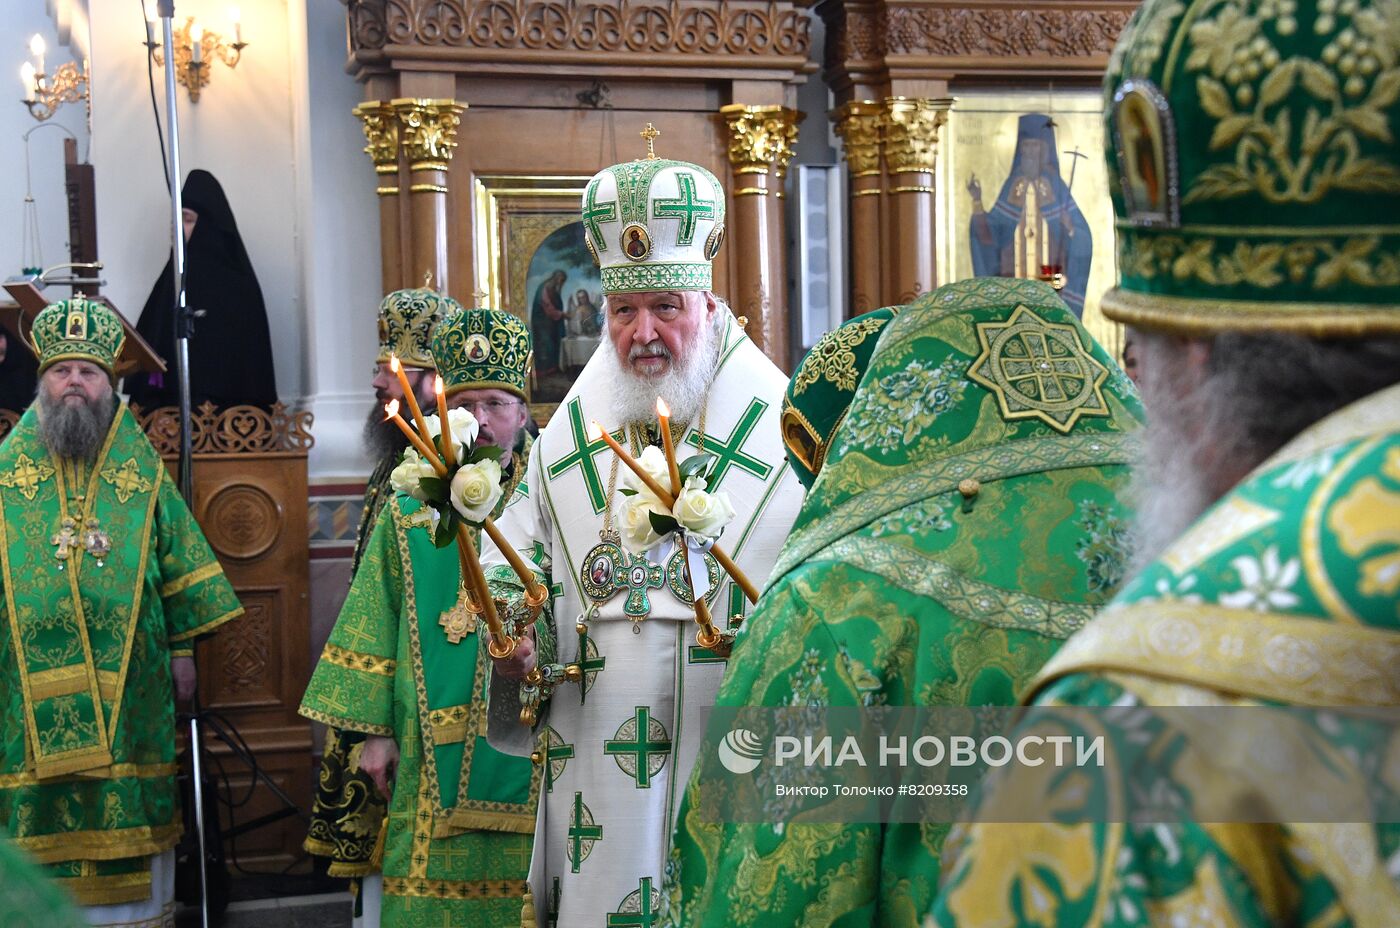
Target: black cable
155	107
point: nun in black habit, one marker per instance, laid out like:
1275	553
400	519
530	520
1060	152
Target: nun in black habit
230	347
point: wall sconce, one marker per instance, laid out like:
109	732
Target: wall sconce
195	50
44	94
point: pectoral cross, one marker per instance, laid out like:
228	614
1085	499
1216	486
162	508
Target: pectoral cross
459	621
66	539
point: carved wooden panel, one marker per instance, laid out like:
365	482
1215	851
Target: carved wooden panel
246	660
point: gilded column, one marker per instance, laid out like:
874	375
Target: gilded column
382	134
759	138
428	134
911	147
858	123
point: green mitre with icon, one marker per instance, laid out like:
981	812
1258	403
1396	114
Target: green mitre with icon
484	349
407	320
77	329
821	388
1254	168
654	223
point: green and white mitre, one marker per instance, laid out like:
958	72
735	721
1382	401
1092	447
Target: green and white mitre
1253	167
654	224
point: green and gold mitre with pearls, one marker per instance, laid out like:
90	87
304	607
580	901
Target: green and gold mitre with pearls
484	349
77	329
654	224
407	320
821	389
1253	166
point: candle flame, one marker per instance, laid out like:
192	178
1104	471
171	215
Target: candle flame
196	32
235	15
391	409
662	409
37	47
437	384
595	431
394	363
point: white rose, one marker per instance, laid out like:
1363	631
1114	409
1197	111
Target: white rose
404	478
653	461
635	521
464	429
702	513
476	488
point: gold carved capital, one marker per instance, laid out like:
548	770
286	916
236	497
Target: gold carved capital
760	137
858	123
428	128
911	133
382	133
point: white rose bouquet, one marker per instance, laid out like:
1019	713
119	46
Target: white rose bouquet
470	489
645	520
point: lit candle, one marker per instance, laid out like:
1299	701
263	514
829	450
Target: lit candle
663	415
37	49
595	431
196	43
26	76
408	395
236	15
449	454
391	412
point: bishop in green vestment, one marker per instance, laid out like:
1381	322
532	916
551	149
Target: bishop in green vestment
347	812
1262	285
967	518
397	665
106	578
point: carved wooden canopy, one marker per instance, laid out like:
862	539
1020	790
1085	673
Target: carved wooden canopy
917	48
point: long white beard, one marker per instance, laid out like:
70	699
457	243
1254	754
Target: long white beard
683	386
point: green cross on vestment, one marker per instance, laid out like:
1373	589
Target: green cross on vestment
594	213
738	606
582	457
537	555
591	662
730	452
637	575
686	206
644	915
558	750
641	745
583	832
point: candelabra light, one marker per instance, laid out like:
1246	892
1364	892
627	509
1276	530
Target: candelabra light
196	48
45	93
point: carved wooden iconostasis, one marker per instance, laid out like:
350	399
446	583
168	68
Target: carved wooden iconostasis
466	96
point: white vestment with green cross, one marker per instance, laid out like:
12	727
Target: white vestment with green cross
620	745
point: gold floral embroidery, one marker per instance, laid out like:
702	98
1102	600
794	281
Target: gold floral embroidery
1367	517
126	480
833	357
27	475
1322	263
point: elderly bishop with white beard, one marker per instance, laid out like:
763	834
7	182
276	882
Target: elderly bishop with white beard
617	716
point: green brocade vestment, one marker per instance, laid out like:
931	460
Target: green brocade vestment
462	817
87	784
1284	594
897	589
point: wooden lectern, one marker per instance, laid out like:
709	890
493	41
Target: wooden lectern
136	353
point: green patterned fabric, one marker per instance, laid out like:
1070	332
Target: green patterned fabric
1253	166
895	588
346	810
92	611
654	224
407	320
483	349
822	387
77	329
461	819
27	899
1284	593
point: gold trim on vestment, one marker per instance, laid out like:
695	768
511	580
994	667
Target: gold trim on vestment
135	617
1299	660
207	627
345	722
358	660
115	771
111	889
109	844
199	575
454	889
1184	315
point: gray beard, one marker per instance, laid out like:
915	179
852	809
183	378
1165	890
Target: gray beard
75	432
382	438
683	387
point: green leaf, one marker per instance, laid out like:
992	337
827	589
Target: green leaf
447	528
435	487
696	465
627	491
662	525
486	453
